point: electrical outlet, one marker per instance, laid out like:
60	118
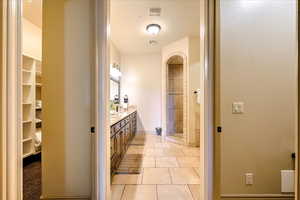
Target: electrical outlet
238	107
249	178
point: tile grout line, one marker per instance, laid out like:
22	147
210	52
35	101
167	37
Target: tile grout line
196	172
170	176
123	192
190	191
142	176
156	187
179	166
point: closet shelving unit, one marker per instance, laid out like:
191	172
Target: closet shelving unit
31	93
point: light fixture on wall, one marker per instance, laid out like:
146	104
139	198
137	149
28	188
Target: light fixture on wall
115	72
153	29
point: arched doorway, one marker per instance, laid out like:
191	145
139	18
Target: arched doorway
175	96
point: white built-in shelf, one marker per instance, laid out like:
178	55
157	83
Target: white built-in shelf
27	155
31	91
27	139
37	152
26	71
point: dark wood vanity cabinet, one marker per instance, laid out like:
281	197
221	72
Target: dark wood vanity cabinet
122	133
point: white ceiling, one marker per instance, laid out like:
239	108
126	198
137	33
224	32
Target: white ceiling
129	18
32	11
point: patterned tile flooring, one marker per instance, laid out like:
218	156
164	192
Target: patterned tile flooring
169	171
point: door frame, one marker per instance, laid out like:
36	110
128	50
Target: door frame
207	107
11	112
207	37
11	129
102	141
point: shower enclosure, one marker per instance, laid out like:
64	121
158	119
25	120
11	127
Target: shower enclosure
175	98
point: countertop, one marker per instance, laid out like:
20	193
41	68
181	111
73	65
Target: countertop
114	118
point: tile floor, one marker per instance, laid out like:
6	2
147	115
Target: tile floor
169	172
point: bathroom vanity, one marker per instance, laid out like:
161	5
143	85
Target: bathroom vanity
123	129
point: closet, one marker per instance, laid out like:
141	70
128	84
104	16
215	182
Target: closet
31	98
31	105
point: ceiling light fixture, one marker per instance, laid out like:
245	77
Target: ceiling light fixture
153	29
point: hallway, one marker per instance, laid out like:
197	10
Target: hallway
167	171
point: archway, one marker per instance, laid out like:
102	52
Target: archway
175	96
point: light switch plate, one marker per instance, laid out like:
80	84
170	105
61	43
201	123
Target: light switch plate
249	178
238	108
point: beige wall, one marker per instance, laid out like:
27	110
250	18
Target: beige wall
194	84
115	56
258	67
67	50
141	81
32	45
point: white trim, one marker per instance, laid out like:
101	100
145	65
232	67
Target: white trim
102	97
258	196
207	100
4	103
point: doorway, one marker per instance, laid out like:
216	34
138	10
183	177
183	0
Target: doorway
31	95
176	92
158	69
63	119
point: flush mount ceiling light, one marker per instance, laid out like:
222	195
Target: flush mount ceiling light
153	29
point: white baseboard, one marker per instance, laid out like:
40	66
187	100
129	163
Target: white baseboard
193	145
257	196
65	198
